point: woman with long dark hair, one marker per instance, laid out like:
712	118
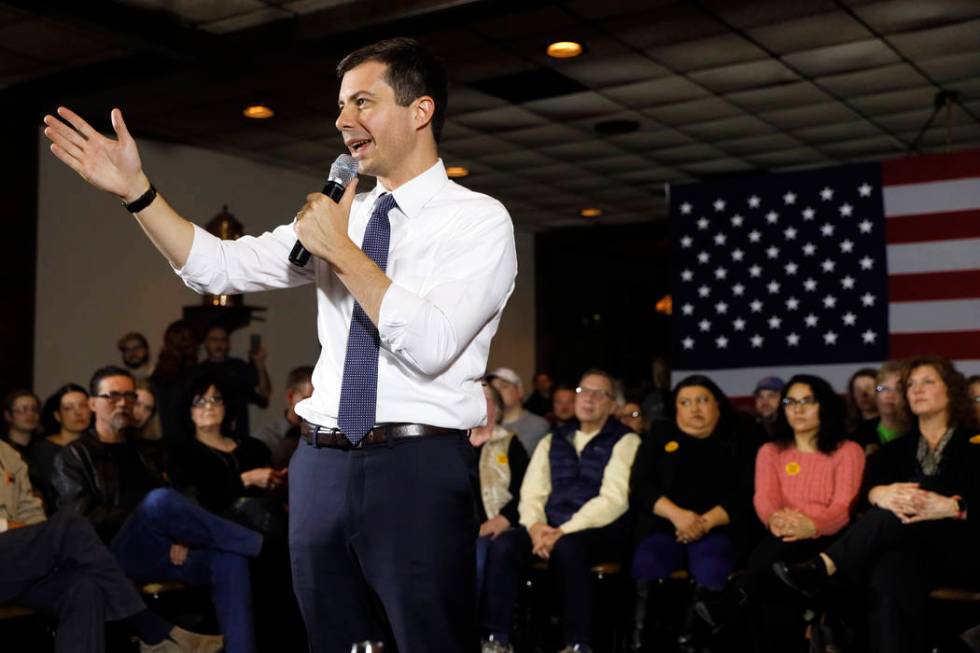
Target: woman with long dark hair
923	528
66	415
806	483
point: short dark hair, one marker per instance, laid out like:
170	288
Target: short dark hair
12	397
831	431
104	373
960	409
413	71
298	376
133	335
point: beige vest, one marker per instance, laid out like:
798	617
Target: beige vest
495	472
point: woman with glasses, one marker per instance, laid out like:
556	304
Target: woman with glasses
688	485
806	483
921	530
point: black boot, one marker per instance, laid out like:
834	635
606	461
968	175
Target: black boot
806	577
641	600
720	609
688	640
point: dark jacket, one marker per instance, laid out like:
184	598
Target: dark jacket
105	482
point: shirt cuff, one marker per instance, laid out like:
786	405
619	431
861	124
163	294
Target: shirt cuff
203	249
3	525
398	308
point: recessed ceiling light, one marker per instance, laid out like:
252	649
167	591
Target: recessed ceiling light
590	212
456	172
564	49
258	112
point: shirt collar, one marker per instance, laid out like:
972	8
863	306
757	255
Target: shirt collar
414	194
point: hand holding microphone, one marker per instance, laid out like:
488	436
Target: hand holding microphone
339	190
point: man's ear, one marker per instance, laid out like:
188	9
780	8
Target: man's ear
425	110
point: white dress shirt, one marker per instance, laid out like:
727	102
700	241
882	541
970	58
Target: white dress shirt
452	263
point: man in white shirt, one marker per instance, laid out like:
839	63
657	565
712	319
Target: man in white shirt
575	497
381	505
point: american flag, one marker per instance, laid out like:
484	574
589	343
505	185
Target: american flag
827	270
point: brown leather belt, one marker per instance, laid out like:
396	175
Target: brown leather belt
332	438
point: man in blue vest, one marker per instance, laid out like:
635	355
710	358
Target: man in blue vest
575	497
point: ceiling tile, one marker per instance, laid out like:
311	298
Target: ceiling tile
687	154
485	62
727	128
794	157
700	110
479	145
952	67
622	163
838	131
532	21
895	101
866	148
581	150
905	120
46	41
534	137
906	15
810	32
718	50
874	80
257	137
463	99
646	141
842	58
741	76
575	105
193	12
452	130
310	6
499	119
772	97
717	166
646	175
516	159
614	70
246	20
665	90
939	41
676	23
754	144
806	115
761	12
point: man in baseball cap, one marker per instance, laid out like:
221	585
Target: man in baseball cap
530	428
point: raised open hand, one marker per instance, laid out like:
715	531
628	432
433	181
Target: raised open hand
112	165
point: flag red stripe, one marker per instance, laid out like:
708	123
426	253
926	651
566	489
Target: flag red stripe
933	226
952	344
931	167
928	286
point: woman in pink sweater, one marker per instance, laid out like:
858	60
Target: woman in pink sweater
806	483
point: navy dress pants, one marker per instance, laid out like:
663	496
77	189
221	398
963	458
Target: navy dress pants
382	542
61	567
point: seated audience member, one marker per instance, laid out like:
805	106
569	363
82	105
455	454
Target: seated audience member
246	382
922	529
862	409
530	428
22	414
282	435
767	393
503	547
974	385
806	483
575	497
891	423
61	567
539	402
631	415
177	358
70	416
655	404
218	470
135	351
146	421
689	483
562	406
154	532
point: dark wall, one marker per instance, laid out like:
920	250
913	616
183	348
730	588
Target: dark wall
18	245
597	287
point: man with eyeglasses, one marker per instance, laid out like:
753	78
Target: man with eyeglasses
135	351
154	532
575	496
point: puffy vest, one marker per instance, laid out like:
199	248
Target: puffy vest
576	479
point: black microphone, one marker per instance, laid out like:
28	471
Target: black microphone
342	172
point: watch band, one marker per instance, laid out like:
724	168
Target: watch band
142	201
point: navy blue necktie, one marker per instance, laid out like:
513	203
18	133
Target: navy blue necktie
359	388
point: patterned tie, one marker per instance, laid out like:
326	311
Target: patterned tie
359	388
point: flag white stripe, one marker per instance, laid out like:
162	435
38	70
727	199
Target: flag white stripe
935	256
941	315
741	381
932	197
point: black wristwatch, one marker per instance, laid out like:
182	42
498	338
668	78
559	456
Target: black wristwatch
142	201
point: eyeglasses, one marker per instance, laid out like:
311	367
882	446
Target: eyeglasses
20	410
802	402
700	401
115	397
594	393
634	413
882	389
201	402
130	349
